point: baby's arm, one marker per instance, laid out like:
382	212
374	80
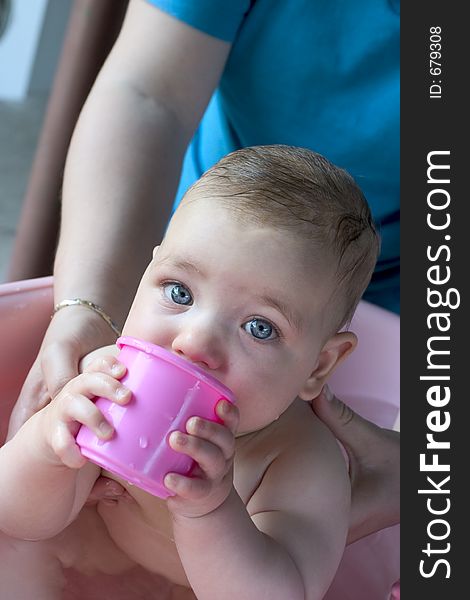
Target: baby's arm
287	542
44	479
303	503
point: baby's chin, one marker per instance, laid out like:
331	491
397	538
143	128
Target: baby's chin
252	428
246	431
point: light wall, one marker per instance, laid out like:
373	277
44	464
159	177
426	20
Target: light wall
30	46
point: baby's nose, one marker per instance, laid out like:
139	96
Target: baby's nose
200	346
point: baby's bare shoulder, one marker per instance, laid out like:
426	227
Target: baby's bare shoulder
302	497
295	450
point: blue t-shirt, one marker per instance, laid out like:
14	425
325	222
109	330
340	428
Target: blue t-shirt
323	74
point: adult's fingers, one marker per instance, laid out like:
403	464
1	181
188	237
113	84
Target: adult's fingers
395	593
59	364
55	365
372	450
374	465
352	430
33	396
72	333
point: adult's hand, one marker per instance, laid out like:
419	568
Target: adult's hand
374	465
73	333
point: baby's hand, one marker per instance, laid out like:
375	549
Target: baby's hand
73	407
212	446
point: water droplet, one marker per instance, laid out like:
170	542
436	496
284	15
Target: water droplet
143	441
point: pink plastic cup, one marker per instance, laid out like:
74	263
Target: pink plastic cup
167	391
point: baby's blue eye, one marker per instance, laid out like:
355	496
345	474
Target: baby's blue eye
178	293
260	329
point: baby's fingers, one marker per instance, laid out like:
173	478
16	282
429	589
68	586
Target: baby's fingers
107	364
208	456
187	488
76	410
64	447
219	435
229	414
98	384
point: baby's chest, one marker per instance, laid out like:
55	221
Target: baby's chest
140	525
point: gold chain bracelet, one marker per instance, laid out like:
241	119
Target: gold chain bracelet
92	306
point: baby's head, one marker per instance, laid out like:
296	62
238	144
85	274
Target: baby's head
299	192
262	264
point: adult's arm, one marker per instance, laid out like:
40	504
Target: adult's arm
120	177
126	152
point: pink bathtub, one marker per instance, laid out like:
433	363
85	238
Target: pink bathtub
368	382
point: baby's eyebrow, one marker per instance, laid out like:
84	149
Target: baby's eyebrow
294	317
180	263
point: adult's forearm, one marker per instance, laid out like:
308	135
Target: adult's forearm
225	556
120	178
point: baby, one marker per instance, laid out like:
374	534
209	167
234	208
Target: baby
261	267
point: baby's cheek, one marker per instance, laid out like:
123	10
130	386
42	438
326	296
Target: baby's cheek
252	394
150	329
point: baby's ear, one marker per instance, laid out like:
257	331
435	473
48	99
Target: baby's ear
332	354
154	253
